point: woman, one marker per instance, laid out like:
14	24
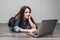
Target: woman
23	19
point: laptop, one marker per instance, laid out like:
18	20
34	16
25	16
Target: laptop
46	27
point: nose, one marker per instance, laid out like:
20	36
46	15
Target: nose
28	13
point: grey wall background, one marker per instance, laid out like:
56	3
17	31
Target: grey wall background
41	9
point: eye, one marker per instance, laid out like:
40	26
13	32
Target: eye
25	12
29	12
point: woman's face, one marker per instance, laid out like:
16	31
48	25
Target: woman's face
27	13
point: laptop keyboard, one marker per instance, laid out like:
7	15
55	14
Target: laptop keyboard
34	33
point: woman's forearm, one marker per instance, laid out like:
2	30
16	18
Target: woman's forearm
31	23
28	30
24	30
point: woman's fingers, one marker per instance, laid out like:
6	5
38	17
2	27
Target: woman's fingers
32	30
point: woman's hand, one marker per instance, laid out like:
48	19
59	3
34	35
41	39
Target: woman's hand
29	16
32	30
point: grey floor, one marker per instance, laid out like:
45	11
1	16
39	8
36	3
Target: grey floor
5	34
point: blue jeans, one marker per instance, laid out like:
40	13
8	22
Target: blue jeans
16	28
